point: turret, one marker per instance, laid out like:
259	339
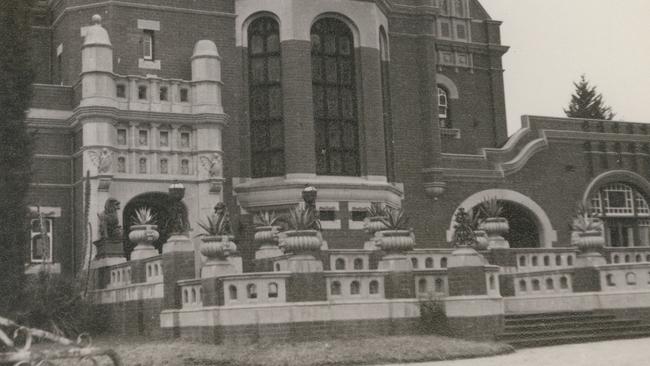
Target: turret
98	86
206	78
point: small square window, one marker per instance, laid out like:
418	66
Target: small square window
327	215
184	94
163	93
445	30
142	92
358	215
120	91
185	167
121	165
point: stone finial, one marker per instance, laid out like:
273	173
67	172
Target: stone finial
96	35
97	19
205	48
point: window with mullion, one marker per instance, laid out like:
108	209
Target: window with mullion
265	98
335	115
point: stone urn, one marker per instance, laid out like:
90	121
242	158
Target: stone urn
482	241
495	227
143	236
300	242
217	248
266	240
590	241
373	224
395	241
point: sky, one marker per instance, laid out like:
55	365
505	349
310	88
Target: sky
553	42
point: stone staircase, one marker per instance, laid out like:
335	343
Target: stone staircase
547	329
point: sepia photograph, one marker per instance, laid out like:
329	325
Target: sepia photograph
324	182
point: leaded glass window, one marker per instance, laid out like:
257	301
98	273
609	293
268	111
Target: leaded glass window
626	215
266	124
334	94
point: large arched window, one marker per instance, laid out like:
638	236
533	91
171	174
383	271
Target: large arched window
625	213
334	93
443	108
265	90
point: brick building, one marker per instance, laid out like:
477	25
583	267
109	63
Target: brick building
247	101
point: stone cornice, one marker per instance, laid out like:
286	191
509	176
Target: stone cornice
119	115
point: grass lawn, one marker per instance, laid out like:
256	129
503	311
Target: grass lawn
367	351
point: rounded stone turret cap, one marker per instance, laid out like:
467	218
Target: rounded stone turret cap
96	34
205	48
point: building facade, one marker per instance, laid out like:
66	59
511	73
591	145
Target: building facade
246	101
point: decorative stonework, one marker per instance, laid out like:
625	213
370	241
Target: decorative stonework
102	160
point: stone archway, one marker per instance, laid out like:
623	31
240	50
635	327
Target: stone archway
160	204
533	212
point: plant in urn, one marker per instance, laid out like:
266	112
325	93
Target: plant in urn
493	224
303	236
143	233
587	231
266	234
217	243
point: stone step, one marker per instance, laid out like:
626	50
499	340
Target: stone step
548	318
590	323
551	314
552	341
612	330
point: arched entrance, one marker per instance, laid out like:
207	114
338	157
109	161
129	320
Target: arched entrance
160	204
523	228
525	212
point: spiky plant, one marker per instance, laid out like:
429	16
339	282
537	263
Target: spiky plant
395	219
491	207
216	225
585	219
267	218
376	209
474	218
303	219
143	216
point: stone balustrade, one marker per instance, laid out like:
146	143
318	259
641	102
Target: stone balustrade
540	259
558	281
154	270
429	258
616	255
131	292
349	260
431	282
191	292
355	285
624	277
120	275
257	288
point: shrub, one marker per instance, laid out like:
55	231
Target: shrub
432	315
395	219
55	303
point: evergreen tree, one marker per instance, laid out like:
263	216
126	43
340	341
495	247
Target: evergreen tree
16	78
586	102
464	234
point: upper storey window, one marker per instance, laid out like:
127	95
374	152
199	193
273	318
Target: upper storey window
147	45
334	93
453	22
266	124
443	108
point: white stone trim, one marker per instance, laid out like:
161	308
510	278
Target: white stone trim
47	211
59	49
153	25
149	64
547	234
451	87
48	113
586	301
297	16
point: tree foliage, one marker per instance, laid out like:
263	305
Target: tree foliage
587	102
15	145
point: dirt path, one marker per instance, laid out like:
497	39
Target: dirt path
634	352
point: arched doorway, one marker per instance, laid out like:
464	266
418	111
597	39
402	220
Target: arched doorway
523	227
160	204
525	213
625	211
